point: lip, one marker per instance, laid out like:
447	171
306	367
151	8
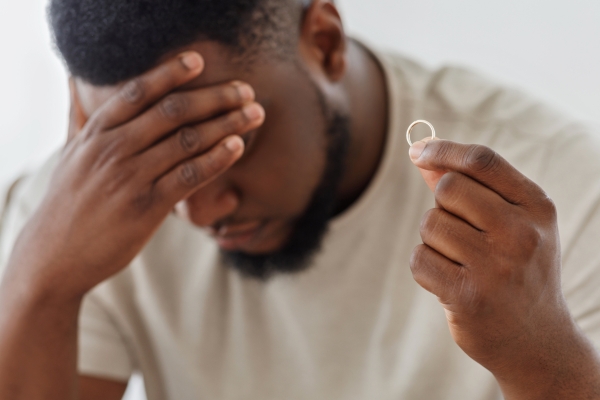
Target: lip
238	229
236	237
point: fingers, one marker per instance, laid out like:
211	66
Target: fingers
197	172
432	178
452	237
471	201
190	141
141	92
183	108
480	163
437	274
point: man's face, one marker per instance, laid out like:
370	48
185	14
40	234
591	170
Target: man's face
283	188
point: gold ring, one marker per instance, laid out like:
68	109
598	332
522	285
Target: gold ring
410	128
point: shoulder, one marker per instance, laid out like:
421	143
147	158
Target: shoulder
467	106
463	95
31	187
19	199
553	149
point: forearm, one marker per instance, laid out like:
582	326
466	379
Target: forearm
38	344
567	368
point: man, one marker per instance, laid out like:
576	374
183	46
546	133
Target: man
235	213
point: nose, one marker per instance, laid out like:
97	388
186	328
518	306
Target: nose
211	204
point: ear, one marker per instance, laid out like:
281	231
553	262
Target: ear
323	42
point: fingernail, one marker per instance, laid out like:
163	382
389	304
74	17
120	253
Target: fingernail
416	149
191	61
253	111
234	144
245	91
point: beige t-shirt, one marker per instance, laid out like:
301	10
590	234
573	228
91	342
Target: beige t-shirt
355	325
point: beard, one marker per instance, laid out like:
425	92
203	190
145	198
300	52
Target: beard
310	228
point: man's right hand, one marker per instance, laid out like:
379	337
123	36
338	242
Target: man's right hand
122	172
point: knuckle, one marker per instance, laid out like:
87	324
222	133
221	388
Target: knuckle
110	149
469	293
233	123
189	174
530	239
447	186
133	92
548	206
242	91
416	260
119	179
188	139
429	222
93	126
227	96
144	200
174	106
481	158
525	241
441	150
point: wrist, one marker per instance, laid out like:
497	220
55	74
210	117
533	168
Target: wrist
40	275
29	286
38	340
560	364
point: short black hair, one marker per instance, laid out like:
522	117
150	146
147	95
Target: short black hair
108	41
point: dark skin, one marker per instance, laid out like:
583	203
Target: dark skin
491	253
496	269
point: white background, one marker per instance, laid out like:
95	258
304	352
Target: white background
548	47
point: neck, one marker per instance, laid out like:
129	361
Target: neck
366	88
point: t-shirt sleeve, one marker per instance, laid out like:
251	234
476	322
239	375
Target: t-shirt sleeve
103	351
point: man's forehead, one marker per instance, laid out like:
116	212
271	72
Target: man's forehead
219	68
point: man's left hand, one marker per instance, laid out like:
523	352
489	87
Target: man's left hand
491	253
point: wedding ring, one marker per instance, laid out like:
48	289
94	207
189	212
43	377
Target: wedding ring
411	127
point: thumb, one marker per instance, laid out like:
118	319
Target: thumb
77	118
431	177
